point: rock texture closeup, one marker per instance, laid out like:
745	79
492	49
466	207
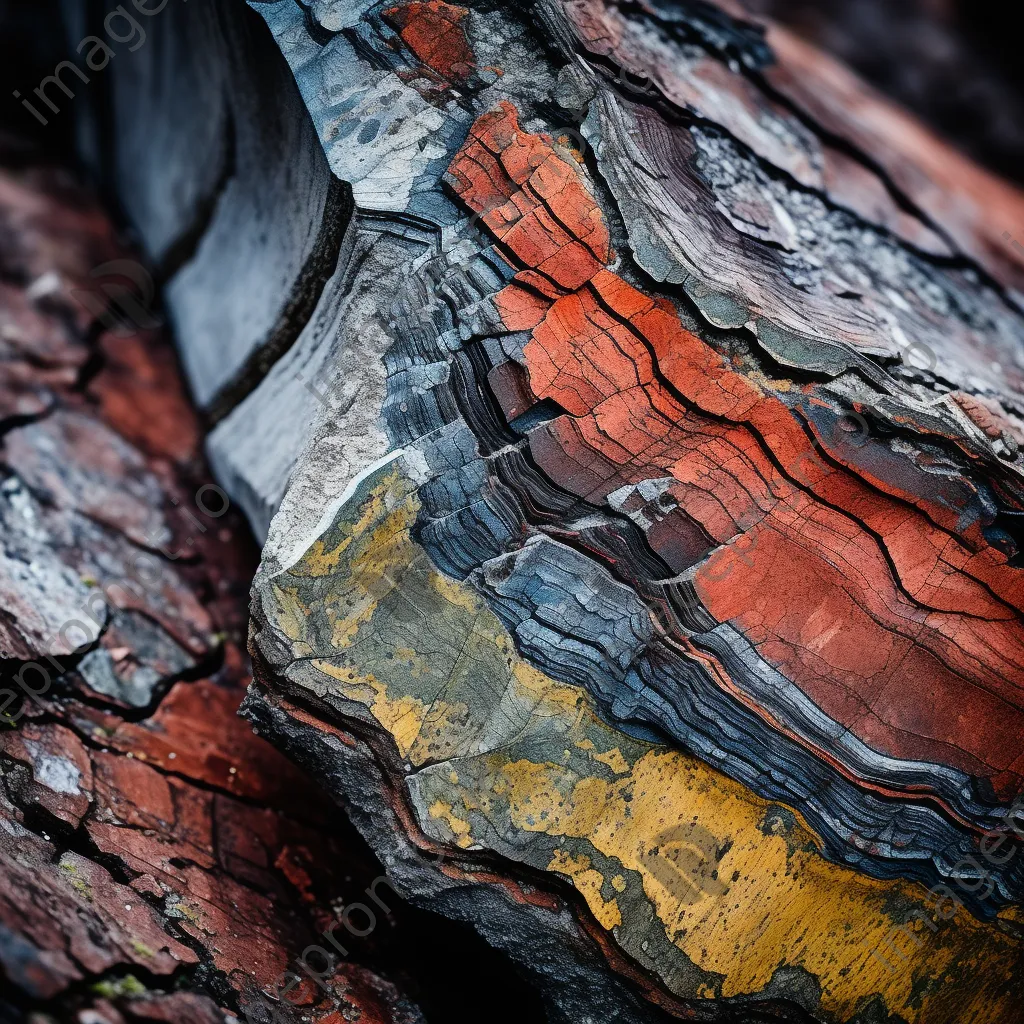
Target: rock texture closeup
642	488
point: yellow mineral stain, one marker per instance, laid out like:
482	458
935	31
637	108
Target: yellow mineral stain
763	381
402	716
456	594
440	732
588	882
459	827
321	562
542	690
1012	914
735	895
743	911
344	629
292	613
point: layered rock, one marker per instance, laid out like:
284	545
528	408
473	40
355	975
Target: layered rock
647	500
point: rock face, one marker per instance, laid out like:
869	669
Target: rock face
647	500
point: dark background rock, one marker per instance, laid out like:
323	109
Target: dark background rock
159	862
955	63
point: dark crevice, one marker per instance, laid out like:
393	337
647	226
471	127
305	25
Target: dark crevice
9	423
206	667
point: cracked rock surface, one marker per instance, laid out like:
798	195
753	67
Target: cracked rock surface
639	469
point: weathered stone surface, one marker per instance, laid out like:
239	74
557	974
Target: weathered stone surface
312	424
141	397
40	593
218	166
500	757
642	500
52	245
100	925
39	356
170	177
692	577
73	462
134	658
59	777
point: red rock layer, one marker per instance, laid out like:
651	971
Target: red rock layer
434	32
900	622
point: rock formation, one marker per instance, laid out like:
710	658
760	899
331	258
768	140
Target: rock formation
631	403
